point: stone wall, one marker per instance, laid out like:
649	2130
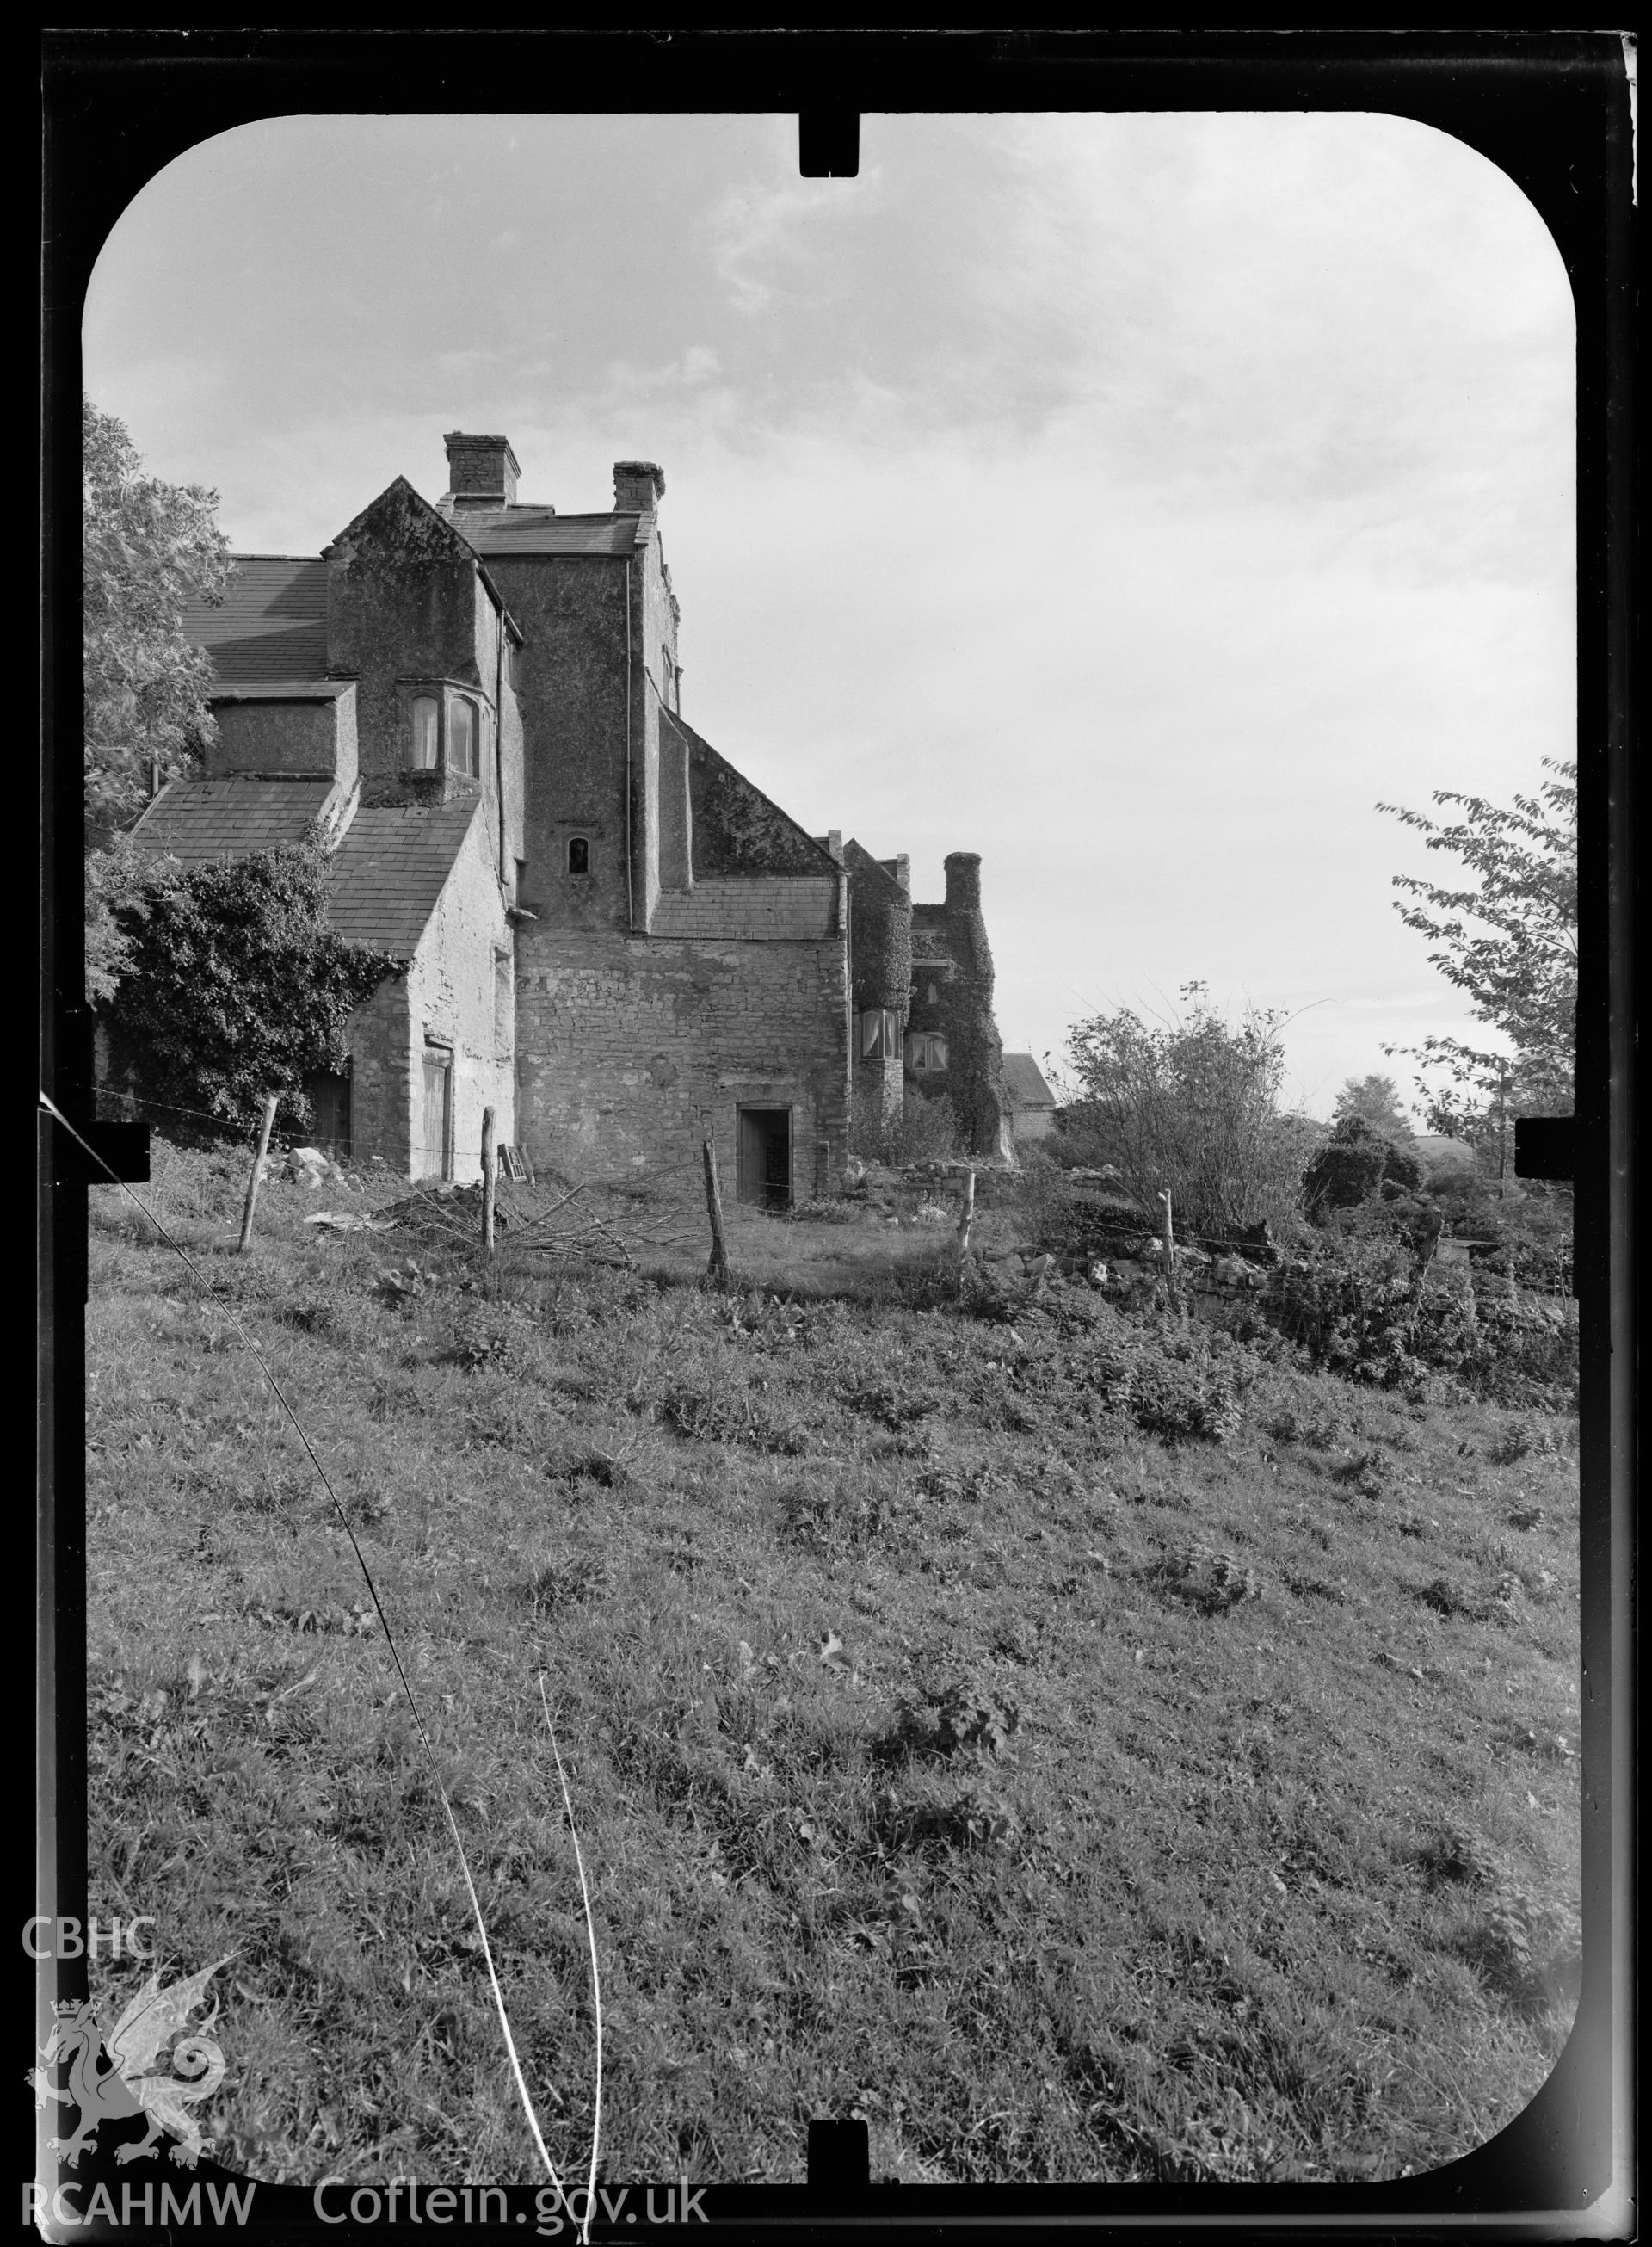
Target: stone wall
263	734
405	603
453	993
571	695
627	1049
458	994
381	1115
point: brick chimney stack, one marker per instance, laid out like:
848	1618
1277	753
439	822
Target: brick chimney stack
481	471
638	486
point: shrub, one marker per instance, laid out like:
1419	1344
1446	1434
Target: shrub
235	986
927	1131
1355	1164
1192	1106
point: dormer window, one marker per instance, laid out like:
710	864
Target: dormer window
444	733
578	855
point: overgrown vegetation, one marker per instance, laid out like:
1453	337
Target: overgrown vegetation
1191	1105
954	1729
926	1131
234	986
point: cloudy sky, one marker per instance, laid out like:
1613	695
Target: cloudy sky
1136	500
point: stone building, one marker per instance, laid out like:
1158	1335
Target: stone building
1032	1103
610	936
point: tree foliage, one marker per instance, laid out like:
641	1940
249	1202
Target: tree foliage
150	549
235	985
1192	1106
1511	943
1376	1100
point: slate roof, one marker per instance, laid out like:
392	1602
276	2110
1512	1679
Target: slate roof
199	821
507	531
273	621
1025	1082
385	877
391	868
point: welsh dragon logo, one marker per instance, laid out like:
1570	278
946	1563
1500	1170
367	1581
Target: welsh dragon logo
155	2072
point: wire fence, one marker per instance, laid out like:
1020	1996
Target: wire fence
554	1225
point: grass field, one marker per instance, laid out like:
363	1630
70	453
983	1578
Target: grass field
957	1736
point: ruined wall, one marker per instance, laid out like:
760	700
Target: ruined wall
626	1047
955	934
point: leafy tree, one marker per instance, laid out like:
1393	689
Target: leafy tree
235	985
151	549
1510	943
1376	1100
1192	1106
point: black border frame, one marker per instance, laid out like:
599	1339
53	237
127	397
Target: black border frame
1553	110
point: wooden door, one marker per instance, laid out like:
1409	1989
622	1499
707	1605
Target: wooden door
435	1160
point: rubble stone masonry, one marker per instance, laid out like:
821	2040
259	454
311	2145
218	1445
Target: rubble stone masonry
628	1049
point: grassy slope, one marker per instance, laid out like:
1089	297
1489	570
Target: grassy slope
1273	1874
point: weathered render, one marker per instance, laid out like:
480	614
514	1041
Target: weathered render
608	934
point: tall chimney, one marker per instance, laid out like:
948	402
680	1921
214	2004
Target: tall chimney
962	881
481	471
638	486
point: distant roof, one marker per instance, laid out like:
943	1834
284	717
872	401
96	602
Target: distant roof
1025	1081
505	530
272	624
199	821
385	877
391	868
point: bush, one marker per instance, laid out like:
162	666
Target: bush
927	1131
1355	1164
234	987
1192	1107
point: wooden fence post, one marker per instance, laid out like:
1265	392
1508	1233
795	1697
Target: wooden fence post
1169	1247
968	1218
488	1169
717	1268
264	1131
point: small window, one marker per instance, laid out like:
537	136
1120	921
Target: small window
462	737
578	855
925	1051
425	715
880	1033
